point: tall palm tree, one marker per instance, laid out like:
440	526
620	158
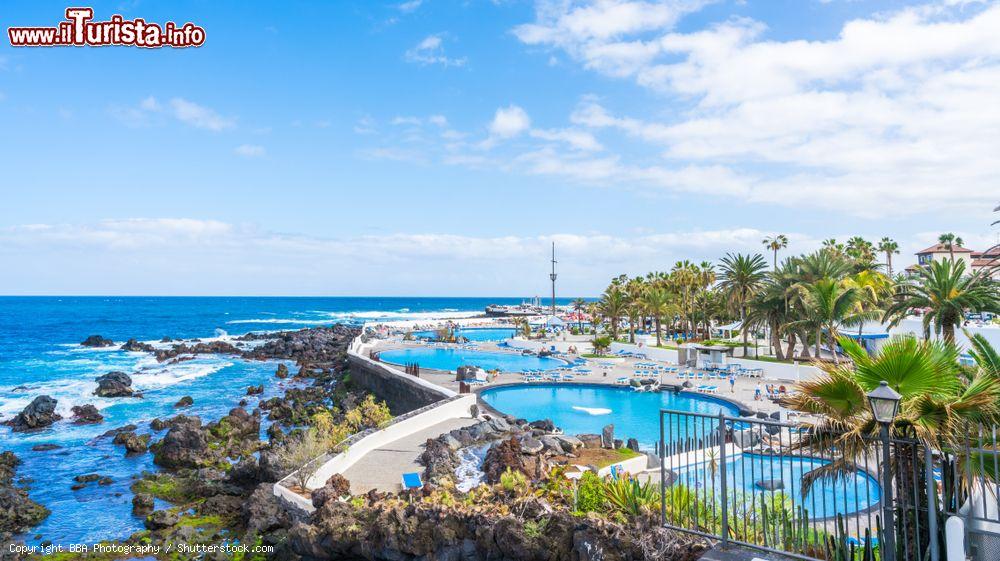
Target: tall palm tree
947	293
769	308
612	307
774	243
831	246
684	280
634	289
657	303
579	306
888	246
740	276
950	242
706	278
860	249
829	304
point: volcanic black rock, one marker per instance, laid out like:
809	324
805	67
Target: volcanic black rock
40	413
86	415
97	341
114	384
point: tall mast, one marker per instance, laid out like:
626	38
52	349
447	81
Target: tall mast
553	277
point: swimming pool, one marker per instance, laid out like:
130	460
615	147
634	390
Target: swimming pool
587	408
583	408
828	497
452	358
473	333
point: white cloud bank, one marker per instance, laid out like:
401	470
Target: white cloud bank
898	113
183	110
431	51
194	256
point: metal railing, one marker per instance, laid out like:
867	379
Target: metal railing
784	488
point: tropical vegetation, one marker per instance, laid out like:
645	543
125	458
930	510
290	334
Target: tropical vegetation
802	305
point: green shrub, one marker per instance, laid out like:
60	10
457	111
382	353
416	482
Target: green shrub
590	493
513	480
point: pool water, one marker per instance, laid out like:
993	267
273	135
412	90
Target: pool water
473	333
452	358
586	409
828	497
582	408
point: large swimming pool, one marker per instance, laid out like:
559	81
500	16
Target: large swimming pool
452	358
473	333
582	408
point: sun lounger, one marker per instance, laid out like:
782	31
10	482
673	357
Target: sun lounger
412	481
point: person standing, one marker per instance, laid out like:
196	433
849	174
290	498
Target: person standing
756	392
732	383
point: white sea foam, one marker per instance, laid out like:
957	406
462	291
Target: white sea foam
333	317
469	473
593	410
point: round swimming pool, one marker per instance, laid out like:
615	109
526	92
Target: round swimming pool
583	408
452	358
473	333
845	494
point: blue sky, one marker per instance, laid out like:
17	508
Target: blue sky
436	148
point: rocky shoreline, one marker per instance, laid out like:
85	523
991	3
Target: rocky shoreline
210	471
218	477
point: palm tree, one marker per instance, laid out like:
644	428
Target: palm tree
938	403
684	280
830	303
831	246
774	243
740	277
706	278
947	293
634	289
612	307
656	302
579	306
860	249
888	246
950	242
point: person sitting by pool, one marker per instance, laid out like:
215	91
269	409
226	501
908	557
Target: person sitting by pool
782	390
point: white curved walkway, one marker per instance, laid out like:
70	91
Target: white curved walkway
382	469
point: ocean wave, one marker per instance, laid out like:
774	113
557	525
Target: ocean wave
78	385
280	320
333	317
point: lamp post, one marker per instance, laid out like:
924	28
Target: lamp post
884	403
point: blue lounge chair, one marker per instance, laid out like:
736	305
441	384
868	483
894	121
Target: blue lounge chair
412	481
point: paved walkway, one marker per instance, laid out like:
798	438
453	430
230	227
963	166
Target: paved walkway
383	468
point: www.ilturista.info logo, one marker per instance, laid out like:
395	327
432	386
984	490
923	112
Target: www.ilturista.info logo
79	30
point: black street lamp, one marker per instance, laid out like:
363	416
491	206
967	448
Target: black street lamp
884	403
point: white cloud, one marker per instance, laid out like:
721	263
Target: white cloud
509	121
185	111
195	256
578	139
198	116
365	125
410	6
898	108
250	151
431	51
